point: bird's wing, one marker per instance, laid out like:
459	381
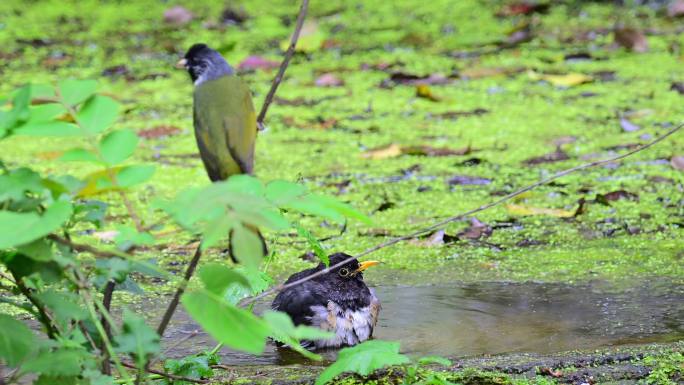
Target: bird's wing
298	301
225	126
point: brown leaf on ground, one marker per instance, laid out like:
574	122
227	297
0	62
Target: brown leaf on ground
158	132
677	162
403	78
486	72
376	232
616	196
677	86
394	150
676	8
523	8
529	210
329	80
631	39
116	71
551	372
556	156
437	238
233	16
518	36
423	91
178	15
459	114
564	80
476	230
253	63
468	180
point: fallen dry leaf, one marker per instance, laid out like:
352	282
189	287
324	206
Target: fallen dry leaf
616	196
631	39
677	162
178	15
423	91
459	114
233	16
252	63
628	126
523	8
394	150
529	210
329	80
158	132
567	80
467	180
476	230
413	79
556	156
438	238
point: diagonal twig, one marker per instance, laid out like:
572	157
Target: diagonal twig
283	66
458	217
167	375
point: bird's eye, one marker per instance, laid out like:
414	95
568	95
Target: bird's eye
344	272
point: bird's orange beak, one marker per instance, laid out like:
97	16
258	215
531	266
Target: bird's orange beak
182	64
366	264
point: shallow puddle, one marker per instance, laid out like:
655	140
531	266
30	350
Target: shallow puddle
491	318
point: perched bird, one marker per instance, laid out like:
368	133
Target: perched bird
223	116
338	301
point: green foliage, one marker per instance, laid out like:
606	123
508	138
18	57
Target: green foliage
668	369
364	359
16	341
196	366
137	339
40	214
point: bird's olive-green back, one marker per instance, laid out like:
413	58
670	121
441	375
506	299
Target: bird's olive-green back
225	126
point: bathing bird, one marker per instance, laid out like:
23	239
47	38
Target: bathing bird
223	117
338	301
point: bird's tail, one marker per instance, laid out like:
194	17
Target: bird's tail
253	229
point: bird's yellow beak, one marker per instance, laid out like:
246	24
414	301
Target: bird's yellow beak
366	264
182	64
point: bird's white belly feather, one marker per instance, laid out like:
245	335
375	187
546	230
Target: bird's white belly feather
350	326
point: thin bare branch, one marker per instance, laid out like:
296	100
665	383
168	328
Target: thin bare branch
179	292
88	249
283	66
458	217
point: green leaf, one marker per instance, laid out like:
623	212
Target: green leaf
325	206
64	306
46	112
20	228
234	327
98	113
60	362
217	277
129	236
38	250
196	366
216	230
74	91
247	246
131	175
16	341
79	154
42	91
19	111
364	359
258	282
137	338
434	360
281	192
118	146
15	184
283	330
313	242
246	184
49	128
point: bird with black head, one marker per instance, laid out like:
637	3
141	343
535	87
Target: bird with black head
338	301
223	116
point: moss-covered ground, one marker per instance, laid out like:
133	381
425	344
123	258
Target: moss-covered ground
491	97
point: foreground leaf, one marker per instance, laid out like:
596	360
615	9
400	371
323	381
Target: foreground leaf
364	359
236	328
118	146
20	228
217	277
283	330
16	341
137	338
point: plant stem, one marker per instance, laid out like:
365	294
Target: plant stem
43	315
179	292
283	66
107	303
